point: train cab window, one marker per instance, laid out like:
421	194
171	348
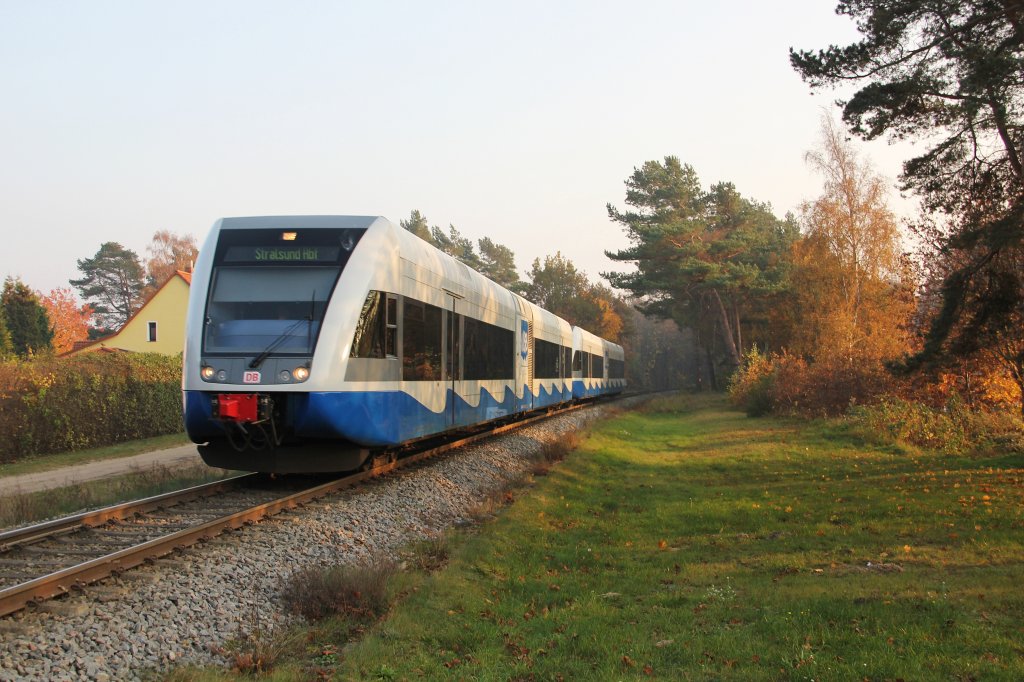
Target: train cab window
421	341
269	293
251	308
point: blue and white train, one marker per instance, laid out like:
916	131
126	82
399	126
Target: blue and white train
314	341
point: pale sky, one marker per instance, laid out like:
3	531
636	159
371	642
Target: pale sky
517	121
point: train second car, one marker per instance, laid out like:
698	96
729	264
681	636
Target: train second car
313	340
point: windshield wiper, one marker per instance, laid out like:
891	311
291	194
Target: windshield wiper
258	360
309	327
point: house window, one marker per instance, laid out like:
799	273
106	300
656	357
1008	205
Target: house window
152	332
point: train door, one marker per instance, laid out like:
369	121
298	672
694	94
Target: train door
453	357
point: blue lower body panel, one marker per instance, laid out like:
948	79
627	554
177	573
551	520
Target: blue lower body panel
369	418
391	417
545	398
581	390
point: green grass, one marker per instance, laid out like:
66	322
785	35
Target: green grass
64	459
686	541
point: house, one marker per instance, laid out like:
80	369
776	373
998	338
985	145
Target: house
157	327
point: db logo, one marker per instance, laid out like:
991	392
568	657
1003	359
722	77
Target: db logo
251	378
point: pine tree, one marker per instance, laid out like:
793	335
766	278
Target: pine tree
112	282
706	259
27	322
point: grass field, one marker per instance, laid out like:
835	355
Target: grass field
686	541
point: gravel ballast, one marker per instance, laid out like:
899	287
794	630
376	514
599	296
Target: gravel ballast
183	609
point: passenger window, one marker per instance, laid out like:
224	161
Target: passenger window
421	341
488	351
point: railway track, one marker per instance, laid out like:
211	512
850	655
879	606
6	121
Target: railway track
50	559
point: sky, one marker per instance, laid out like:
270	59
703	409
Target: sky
515	121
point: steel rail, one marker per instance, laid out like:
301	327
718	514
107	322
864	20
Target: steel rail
98	517
75	577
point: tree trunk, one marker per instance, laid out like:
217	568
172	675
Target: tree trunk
726	327
710	358
739	329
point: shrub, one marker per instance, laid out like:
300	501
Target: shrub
751	387
431	554
828	387
91	400
358	591
953	429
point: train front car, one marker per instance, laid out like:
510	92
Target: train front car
313	341
262	336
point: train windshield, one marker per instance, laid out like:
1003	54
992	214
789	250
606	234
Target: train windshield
271	298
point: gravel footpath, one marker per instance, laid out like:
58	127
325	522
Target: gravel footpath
182	608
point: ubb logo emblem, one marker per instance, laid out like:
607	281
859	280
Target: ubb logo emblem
524	338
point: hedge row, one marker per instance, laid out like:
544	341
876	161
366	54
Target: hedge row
87	401
879	407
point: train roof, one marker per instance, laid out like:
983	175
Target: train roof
304	221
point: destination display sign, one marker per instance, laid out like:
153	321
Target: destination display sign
282	254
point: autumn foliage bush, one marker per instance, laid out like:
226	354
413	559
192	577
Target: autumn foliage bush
881	407
57	404
787	384
752	386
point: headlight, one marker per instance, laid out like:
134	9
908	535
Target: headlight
284	375
301	373
207	372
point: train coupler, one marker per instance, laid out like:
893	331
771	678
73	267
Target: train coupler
242	408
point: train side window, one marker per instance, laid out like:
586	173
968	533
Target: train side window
577	361
369	339
488	350
421	341
598	366
391	328
545	359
